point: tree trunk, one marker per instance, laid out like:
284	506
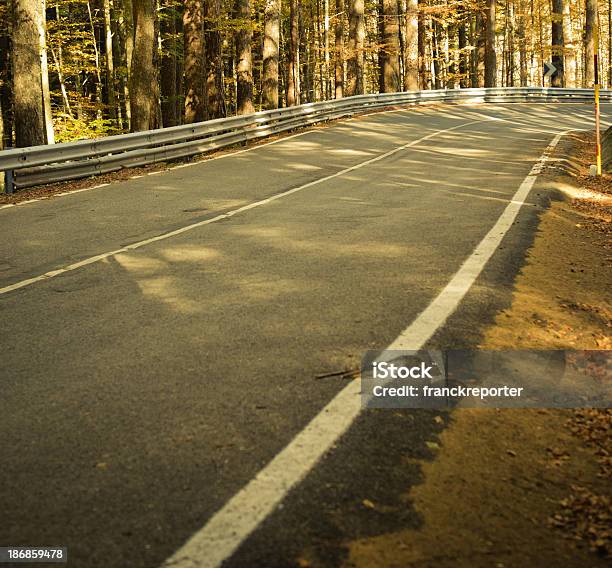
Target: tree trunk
6	82
128	49
244	59
306	35
193	55
339	49
463	57
589	43
510	79
569	65
144	87
522	39
422	48
60	77
391	76
435	55
450	50
271	54
27	87
354	71
215	96
473	58
558	79
326	66
490	57
293	71
44	75
541	37
169	108
2	174
534	71
481	33
411	47
380	20
98	79
110	68
609	44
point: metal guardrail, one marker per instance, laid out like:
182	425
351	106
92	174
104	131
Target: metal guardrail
38	165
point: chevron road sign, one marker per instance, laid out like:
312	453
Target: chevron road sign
549	69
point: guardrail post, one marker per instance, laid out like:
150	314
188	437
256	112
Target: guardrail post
9	182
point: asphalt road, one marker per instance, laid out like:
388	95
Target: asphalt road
144	388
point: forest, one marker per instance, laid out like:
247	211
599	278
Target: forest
75	69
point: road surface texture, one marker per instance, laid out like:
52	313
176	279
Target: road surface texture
144	388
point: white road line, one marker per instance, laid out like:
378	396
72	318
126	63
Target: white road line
133	246
248	508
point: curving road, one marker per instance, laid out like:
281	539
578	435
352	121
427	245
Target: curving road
162	336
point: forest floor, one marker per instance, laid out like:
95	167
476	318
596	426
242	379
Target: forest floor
528	487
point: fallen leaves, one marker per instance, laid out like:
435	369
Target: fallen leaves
594	427
587	516
367	503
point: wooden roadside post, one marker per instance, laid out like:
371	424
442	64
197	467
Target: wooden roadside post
596	87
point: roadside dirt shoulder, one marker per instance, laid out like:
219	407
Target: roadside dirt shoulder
527	487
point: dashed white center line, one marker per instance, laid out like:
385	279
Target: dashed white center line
97	258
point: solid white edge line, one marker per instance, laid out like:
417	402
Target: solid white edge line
186	228
246	510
